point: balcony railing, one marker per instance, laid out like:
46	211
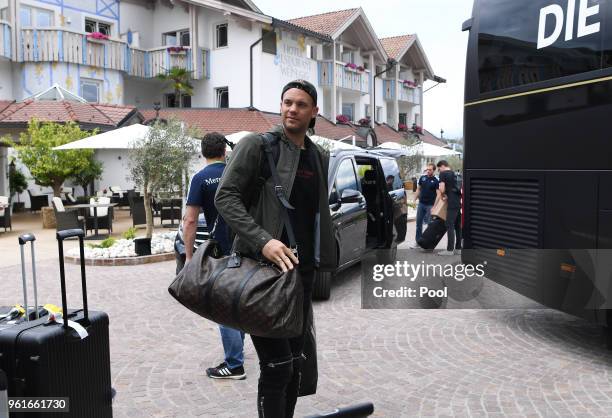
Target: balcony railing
60	45
346	78
407	94
5	39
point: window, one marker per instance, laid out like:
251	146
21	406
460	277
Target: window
513	49
32	16
311	52
222	97
348	56
171	101
176	38
95	26
348	109
90	90
345	180
379	111
392	174
221	35
4	14
328	52
366	111
268	42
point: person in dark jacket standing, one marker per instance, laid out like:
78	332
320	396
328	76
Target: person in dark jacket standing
426	195
449	190
302	167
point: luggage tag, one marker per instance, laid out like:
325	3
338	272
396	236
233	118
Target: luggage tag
57	318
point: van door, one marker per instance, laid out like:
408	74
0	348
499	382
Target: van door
349	219
389	205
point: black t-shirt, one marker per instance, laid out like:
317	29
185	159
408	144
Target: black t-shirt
450	184
305	199
428	186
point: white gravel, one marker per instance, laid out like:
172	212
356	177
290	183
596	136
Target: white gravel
160	243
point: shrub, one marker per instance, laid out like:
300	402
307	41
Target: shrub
130	233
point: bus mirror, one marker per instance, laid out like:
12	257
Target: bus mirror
467	25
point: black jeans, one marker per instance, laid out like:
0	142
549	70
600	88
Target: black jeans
280	363
453	226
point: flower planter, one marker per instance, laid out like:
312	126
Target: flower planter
142	246
97	41
48	217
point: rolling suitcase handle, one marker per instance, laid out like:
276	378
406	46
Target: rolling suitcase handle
4	412
61	236
23	239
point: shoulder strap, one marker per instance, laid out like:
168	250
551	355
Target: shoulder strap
278	188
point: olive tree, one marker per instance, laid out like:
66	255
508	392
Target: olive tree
159	161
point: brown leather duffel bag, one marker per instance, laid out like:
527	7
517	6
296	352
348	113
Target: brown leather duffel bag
241	293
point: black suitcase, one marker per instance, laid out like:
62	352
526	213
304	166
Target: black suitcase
356	411
432	234
49	359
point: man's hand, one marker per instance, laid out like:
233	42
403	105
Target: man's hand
279	254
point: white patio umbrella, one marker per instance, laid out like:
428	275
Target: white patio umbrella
335	144
423	148
122	138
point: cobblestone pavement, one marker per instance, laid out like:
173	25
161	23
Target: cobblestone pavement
510	363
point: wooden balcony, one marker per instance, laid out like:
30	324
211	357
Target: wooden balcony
60	45
346	78
407	94
5	39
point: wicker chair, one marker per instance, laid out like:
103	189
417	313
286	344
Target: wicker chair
105	215
66	219
38	202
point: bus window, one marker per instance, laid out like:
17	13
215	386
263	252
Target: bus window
523	42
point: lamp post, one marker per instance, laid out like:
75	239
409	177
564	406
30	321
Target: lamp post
441	133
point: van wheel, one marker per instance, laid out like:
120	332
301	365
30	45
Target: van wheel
321	288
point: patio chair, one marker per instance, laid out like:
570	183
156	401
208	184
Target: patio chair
5	213
37	202
66	219
105	215
119	196
139	216
170	210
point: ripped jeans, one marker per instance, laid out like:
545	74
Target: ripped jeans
280	362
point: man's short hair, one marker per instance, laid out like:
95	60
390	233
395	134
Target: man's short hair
432	165
442	163
213	145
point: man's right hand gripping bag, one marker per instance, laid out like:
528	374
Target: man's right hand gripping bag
241	293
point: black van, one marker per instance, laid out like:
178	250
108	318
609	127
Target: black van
366	200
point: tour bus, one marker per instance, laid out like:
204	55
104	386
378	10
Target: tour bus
538	149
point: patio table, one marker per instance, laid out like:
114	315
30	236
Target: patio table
95	207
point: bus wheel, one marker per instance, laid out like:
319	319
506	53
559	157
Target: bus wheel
321	287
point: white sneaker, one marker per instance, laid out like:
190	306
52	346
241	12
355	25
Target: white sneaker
414	246
446	252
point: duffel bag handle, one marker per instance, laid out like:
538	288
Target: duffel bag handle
61	236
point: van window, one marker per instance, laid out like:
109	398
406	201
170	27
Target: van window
392	174
345	179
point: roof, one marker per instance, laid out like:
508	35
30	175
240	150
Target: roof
430	138
396	45
224	121
88	115
325	23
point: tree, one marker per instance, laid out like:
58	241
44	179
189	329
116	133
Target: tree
180	80
48	166
92	172
159	161
17	181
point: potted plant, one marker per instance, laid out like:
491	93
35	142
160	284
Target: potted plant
350	66
402	127
364	121
343	119
17	184
97	37
176	50
361	68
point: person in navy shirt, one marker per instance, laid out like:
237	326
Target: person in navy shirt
426	194
202	196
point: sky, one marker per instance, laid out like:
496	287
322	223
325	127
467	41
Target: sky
437	23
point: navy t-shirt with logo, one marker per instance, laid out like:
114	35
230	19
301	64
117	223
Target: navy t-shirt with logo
428	186
202	193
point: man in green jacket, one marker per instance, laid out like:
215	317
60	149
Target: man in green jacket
253	212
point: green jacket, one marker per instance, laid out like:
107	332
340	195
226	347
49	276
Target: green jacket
263	222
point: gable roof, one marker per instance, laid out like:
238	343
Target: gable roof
395	46
87	115
325	23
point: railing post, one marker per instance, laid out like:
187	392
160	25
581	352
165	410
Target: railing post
35	44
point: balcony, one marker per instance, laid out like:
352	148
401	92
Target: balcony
60	45
346	78
407	94
5	39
